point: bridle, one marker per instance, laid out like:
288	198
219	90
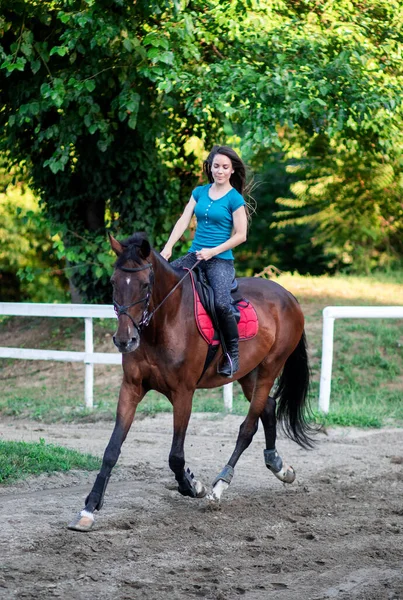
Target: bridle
121	309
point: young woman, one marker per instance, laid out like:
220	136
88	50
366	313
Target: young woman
221	225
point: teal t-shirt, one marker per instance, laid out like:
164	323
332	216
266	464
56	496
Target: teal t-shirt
214	219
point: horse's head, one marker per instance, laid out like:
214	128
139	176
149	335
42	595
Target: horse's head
132	281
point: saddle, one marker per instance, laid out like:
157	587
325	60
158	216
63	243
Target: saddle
205	314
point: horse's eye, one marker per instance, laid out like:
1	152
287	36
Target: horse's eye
144	286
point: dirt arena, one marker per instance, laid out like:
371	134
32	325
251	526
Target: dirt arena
337	532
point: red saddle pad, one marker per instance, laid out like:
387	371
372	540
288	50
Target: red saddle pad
247	327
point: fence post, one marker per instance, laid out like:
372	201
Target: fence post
327	361
228	393
89	366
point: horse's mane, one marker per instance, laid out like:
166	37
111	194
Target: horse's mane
131	246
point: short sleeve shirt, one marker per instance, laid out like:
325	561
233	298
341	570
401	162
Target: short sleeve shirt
214	219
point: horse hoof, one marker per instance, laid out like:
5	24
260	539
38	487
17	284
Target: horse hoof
200	489
83	522
215	495
213	502
286	474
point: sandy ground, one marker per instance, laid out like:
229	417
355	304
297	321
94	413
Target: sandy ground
337	532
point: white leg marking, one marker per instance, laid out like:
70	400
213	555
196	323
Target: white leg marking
218	489
83	522
86	513
200	489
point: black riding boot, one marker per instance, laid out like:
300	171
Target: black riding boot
229	329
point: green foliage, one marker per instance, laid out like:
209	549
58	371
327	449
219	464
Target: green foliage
20	459
81	109
29	268
288	248
350	200
99	101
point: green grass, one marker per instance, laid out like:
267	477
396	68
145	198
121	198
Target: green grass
20	459
367	383
367	377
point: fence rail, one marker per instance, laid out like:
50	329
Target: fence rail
88	312
104	311
330	313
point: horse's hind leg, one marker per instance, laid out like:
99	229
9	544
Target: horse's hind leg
272	459
129	398
187	485
258	384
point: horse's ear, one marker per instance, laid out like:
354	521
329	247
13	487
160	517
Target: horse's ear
145	249
115	245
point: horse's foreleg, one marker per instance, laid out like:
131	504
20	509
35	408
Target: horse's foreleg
272	459
129	398
187	485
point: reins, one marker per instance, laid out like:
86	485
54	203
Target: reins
172	291
146	316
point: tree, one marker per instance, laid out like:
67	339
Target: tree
353	202
80	109
29	268
100	99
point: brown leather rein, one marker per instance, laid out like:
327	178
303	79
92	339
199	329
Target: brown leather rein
121	309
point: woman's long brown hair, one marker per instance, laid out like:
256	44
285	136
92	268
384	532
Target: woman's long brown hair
238	177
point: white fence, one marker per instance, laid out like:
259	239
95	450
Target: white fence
88	357
88	312
330	313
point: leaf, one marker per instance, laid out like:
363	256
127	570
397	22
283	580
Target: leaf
90	85
56	166
153	53
133	104
155	40
127	44
64	17
166	57
18	65
102	257
60	50
132	122
102	145
35	66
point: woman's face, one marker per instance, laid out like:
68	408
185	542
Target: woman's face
221	169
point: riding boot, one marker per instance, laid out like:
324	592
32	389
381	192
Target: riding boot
229	330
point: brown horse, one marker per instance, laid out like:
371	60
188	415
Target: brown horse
163	350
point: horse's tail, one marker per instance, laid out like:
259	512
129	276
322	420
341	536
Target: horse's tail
292	395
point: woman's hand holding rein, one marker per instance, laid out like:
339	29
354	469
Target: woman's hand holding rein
205	253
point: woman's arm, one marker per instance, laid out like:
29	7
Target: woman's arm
180	227
239	235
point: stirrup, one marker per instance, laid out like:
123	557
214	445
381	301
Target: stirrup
224	369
